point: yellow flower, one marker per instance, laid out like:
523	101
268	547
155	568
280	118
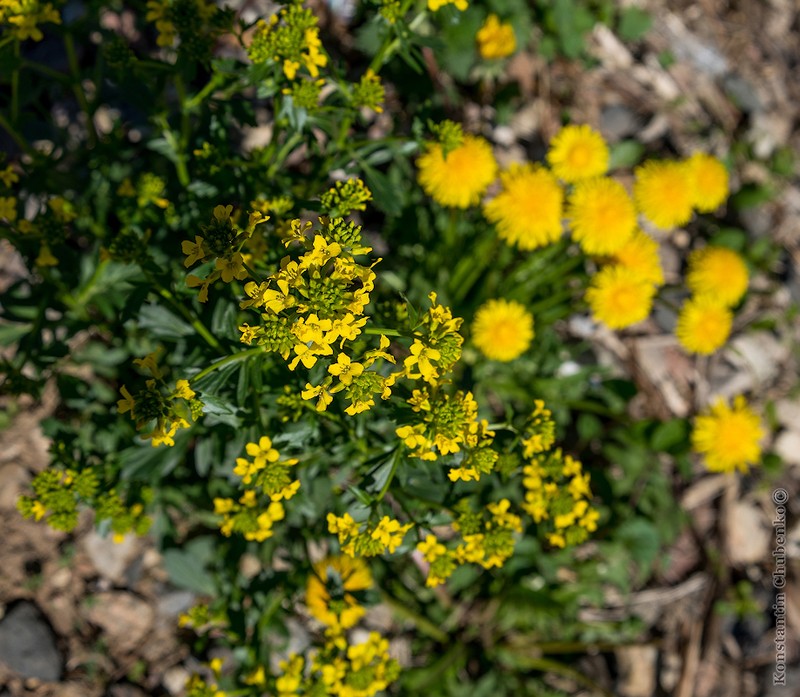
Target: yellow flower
664	193
578	152
602	215
502	330
127	403
496	39
459	179
8	208
703	325
619	297
434	5
528	211
728	437
232	268
183	391
194	251
390	533
345	369
329	591
718	272
640	255
8	176
709	180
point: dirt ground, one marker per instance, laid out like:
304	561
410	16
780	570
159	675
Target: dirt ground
103	616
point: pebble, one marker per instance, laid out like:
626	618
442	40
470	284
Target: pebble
28	645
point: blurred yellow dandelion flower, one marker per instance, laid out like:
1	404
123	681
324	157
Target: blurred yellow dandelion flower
718	272
619	297
703	325
640	255
578	152
664	193
528	211
459	179
709	181
496	39
502	330
728	437
602	215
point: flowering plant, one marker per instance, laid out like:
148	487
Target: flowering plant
285	329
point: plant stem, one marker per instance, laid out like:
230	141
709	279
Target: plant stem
395	463
16	137
283	153
381	330
233	358
15	86
77	88
422	623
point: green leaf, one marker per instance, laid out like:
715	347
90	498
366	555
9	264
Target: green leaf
634	23
669	435
384	193
186	569
625	154
162	323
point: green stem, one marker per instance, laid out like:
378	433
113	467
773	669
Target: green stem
198	98
256	277
395	463
422	623
381	330
233	358
15	85
77	88
16	137
389	47
283	153
549	665
44	70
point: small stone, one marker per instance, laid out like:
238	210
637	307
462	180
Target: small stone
618	122
111	559
174	680
787	447
637	667
28	645
13	479
170	605
749	536
124	618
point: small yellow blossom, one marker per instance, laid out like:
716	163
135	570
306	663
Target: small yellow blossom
578	152
460	178
502	329
619	297
640	256
719	273
704	325
529	209
8	208
663	193
728	438
602	215
496	39
434	5
340	610
709	180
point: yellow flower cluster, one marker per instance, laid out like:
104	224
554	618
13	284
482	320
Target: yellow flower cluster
486	539
728	437
667	192
222	241
165	408
495	39
50	228
197	687
331	592
58	494
718	279
340	670
460	5
23	18
185	19
268	481
291	40
367	539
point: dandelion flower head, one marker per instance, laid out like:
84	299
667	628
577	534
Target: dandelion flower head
602	215
718	272
640	255
502	330
578	152
528	211
709	180
495	39
728	436
619	297
664	193
704	325
459	179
